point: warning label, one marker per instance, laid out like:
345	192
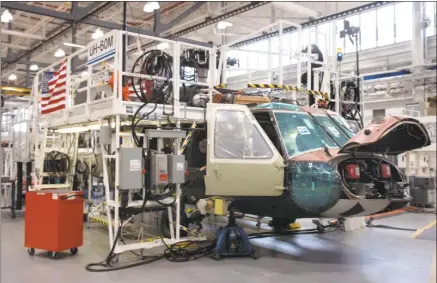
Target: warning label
135	165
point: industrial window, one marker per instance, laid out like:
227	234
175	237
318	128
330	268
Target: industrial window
385	18
286	46
354	21
430	13
294	46
368	30
252	62
339	27
322	40
274	47
237	137
262	59
404	21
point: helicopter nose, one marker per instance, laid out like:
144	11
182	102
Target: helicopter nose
315	186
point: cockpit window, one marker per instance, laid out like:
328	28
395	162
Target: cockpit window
339	134
300	133
341	122
237	137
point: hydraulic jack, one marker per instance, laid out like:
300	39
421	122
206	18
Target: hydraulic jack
233	242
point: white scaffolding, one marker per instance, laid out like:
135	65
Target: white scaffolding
91	103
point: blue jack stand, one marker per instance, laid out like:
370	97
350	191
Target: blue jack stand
233	242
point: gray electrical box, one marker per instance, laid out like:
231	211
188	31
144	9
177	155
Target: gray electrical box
159	170
176	169
131	168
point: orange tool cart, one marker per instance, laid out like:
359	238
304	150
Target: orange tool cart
53	221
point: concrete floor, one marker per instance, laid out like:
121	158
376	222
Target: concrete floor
365	256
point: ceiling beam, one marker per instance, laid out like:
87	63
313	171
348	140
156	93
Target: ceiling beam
15	46
113	25
182	16
56	34
22	34
211	21
36	10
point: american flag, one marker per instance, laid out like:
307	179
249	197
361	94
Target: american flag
54	90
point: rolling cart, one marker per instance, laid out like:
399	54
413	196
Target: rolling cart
54	221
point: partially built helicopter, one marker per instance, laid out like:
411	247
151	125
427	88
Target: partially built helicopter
287	161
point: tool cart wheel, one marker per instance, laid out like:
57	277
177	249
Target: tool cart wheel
31	251
74	251
54	255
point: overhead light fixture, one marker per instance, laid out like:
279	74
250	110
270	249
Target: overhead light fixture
223	25
98	33
163	46
150	7
84	74
73	45
60	53
6	17
12	77
34	67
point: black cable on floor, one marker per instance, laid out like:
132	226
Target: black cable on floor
370	224
185	251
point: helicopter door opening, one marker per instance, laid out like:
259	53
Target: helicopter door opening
266	123
241	159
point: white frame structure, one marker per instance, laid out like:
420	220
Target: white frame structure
91	114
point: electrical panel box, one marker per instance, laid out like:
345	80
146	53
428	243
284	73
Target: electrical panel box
423	159
402	160
105	135
412	160
159	170
176	169
131	168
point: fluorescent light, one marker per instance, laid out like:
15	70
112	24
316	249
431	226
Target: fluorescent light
98	33
163	46
223	25
6	17
12	77
73	45
155	5
60	53
150	7
84	74
34	67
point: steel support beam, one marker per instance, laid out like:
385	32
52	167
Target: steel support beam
14	46
22	34
36	10
182	16
26	62
211	21
111	25
322	20
55	35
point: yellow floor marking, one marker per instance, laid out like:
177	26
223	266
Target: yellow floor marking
420	231
433	278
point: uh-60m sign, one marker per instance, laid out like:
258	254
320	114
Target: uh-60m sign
101	49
